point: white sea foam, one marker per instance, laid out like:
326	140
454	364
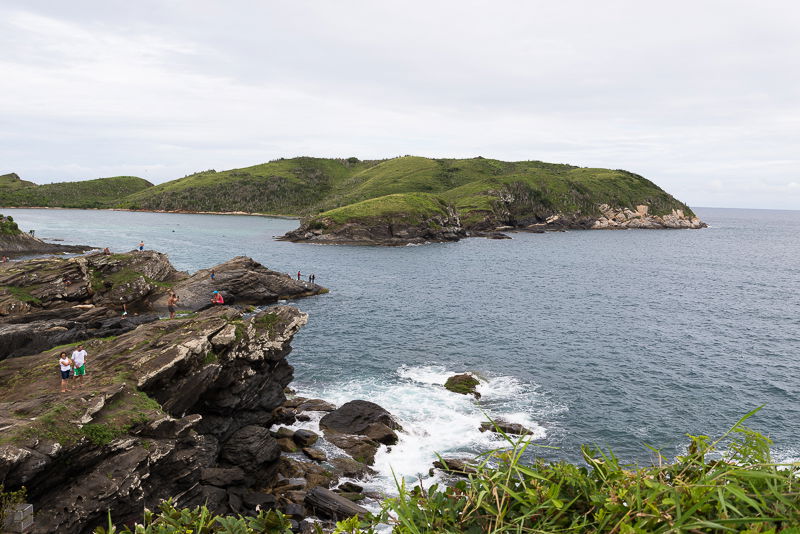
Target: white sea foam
434	420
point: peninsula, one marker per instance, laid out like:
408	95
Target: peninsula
395	201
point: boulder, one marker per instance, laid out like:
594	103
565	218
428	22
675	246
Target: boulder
360	448
499	425
315	454
315	405
328	504
464	384
456	466
356	416
305	438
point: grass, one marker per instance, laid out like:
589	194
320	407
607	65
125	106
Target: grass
508	192
22	294
8	226
410	208
99	193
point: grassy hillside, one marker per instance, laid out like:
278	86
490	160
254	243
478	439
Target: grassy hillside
480	189
477	187
99	193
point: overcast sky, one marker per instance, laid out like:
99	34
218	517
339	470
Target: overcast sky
701	97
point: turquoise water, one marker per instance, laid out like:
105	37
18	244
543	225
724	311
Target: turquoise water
608	338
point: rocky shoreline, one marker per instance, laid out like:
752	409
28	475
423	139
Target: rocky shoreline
192	409
377	232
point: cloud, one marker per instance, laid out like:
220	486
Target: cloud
689	95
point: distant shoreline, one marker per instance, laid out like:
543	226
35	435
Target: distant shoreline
184	212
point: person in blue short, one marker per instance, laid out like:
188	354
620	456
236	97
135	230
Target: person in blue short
66	365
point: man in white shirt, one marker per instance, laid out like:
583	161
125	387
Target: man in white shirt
79	361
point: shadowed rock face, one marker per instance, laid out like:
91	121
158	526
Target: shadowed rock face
216	378
23	244
58	301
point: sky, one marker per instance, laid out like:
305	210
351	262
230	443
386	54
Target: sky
701	97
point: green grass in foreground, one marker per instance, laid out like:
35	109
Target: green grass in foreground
712	489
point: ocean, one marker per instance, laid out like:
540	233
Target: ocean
617	339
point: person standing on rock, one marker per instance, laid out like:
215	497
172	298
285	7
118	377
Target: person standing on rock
213	275
299	275
141	246
313	278
66	364
79	362
171	302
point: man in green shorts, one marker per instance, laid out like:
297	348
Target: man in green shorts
79	361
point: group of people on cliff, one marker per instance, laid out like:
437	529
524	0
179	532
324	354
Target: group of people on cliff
73	366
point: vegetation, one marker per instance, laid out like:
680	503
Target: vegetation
8	226
410	208
200	520
729	484
99	193
9	499
478	188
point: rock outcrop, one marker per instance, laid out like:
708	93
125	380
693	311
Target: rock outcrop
619	218
23	244
464	384
384	231
175	409
57	301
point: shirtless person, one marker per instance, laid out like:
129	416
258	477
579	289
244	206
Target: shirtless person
171	302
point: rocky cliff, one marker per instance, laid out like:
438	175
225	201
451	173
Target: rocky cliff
172	409
55	301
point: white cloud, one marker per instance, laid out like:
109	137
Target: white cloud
689	95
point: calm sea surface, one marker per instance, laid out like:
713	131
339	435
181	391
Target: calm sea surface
609	338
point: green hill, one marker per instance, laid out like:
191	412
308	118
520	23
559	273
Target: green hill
476	187
99	193
484	192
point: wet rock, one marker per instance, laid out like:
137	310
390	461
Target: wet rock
287	445
360	448
283	432
456	466
350	468
509	428
350	487
381	433
315	405
356	416
464	384
326	503
305	438
315	454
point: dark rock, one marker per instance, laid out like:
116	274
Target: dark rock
287	445
283	432
250	447
509	428
347	467
222	477
464	384
381	433
361	448
313	474
303	417
456	466
328	504
256	499
351	496
315	405
350	487
305	438
297	511
356	416
315	454
294	402
284	416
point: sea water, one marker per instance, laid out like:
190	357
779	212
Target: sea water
610	338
